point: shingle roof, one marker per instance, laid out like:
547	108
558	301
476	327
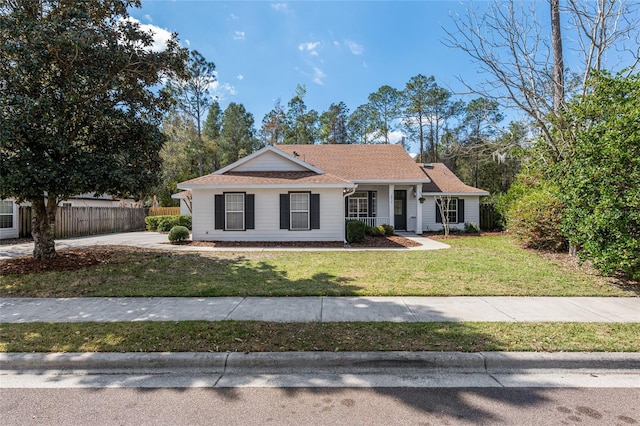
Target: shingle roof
443	180
266	178
360	163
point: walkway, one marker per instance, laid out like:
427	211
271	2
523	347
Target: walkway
324	309
158	241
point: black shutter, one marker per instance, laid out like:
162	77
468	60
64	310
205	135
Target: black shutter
284	211
460	211
438	215
249	211
218	210
315	211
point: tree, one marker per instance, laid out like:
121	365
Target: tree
360	126
301	125
274	126
192	94
211	137
77	109
384	105
509	44
426	107
333	124
476	144
601	183
237	138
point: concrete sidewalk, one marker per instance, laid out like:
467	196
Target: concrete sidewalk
323	309
158	241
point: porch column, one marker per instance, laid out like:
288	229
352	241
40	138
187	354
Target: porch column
391	209
418	209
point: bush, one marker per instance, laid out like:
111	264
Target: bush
355	231
178	233
165	223
388	229
380	231
535	219
471	228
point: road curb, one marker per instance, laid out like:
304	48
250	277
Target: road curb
310	362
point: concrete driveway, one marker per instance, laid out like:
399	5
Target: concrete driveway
155	240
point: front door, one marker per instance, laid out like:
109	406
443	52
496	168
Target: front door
400	210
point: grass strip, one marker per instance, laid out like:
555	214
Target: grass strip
474	266
253	336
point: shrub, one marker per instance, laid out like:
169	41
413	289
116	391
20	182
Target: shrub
178	233
380	231
471	228
151	222
535	219
388	229
355	231
166	222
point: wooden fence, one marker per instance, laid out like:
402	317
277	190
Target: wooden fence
162	211
80	221
489	217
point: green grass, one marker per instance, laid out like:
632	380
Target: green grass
474	266
249	336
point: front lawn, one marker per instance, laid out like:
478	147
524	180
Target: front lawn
474	266
251	336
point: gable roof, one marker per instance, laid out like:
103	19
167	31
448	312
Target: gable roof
444	181
371	163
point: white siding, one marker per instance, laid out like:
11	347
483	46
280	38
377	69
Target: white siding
269	162
184	210
12	232
267	217
471	213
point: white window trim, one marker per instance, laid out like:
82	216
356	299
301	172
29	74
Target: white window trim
452	210
227	211
307	211
12	215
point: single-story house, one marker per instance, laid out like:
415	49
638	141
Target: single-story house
308	192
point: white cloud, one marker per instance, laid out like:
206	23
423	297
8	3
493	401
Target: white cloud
355	48
309	46
318	76
187	42
160	35
280	7
239	35
222	90
148	18
240	77
234	17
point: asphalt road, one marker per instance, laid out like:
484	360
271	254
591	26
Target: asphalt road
315	406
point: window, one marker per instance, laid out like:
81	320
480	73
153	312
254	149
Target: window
234	212
452	207
299	208
66	204
6	214
452	211
362	204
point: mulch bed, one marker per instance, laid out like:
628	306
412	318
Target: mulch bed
77	258
67	260
394	241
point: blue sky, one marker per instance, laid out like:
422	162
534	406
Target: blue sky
341	51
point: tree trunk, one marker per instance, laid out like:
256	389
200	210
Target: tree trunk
558	62
43	220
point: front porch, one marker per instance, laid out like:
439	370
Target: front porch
395	205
